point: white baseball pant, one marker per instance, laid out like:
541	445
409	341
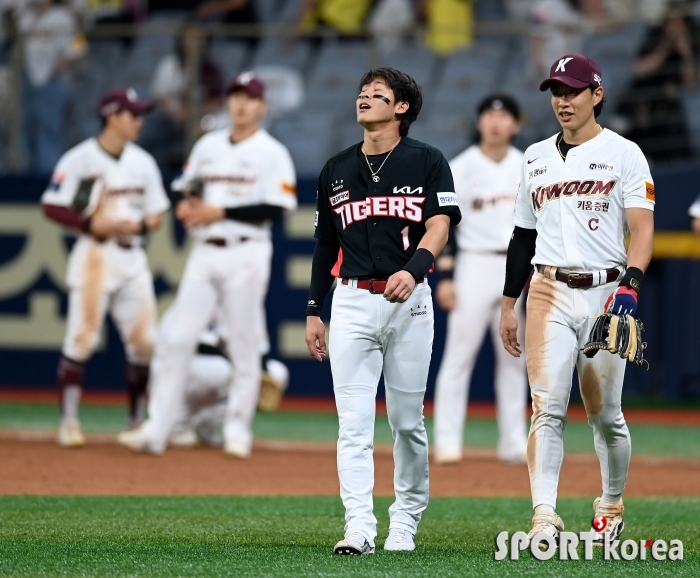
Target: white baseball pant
559	319
103	277
369	335
236	277
479	285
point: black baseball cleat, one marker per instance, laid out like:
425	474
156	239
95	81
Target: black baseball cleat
354	544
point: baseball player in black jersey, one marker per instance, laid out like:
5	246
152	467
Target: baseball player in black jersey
384	210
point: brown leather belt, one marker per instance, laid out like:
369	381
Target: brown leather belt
374	286
221	242
577	280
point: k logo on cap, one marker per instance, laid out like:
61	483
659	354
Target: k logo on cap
575	71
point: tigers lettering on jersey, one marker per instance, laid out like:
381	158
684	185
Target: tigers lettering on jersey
398	207
552	192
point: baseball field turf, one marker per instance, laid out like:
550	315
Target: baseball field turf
260	536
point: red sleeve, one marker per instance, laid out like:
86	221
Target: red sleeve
66	216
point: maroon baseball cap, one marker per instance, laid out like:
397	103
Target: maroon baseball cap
123	99
574	70
247	82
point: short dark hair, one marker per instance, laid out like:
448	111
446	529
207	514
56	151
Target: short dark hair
405	89
598	108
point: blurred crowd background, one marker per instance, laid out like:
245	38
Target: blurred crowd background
58	56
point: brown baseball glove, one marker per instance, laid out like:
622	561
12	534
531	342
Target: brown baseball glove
621	334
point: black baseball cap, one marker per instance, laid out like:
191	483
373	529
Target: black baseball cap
123	99
499	102
574	71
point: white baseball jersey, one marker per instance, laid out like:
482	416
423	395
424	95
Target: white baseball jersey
257	170
129	187
486	191
577	205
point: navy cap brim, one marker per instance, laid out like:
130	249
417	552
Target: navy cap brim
565	80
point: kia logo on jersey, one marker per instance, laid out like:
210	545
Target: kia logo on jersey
408	191
546	193
398	207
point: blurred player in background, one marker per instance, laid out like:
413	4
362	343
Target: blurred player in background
203	408
234	185
111	191
694	212
486	177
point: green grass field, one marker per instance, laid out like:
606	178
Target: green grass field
648	439
217	536
275	536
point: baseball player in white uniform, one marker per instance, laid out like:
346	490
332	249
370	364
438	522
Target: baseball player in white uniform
581	192
235	183
471	270
111	191
203	408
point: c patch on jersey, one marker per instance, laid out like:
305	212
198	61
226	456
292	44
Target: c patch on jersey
339	198
447	199
651	193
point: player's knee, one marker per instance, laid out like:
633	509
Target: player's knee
80	347
178	342
407	425
610	420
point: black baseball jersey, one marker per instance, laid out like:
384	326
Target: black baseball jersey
379	224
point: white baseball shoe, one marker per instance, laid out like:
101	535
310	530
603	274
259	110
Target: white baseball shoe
447	458
354	544
136	440
399	540
549	523
184	438
518	458
237	449
615	523
70	435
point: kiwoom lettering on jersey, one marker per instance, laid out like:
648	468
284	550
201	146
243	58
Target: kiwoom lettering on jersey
600	167
408	191
399	207
339	198
553	192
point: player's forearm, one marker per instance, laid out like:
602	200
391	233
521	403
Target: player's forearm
508	303
521	250
66	216
325	256
437	231
641	248
151	223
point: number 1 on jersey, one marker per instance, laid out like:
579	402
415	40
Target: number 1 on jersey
404	238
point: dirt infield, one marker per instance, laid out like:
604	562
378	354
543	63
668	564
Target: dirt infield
42	468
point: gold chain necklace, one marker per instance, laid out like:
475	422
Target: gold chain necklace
561	138
375	174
